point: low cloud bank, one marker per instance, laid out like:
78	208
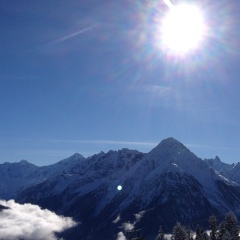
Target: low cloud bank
30	222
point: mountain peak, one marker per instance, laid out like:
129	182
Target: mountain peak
170	145
171	142
218	165
25	163
75	158
77	155
22	162
171	150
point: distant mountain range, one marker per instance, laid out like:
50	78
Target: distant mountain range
168	184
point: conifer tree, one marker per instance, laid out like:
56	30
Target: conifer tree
231	226
179	232
189	234
222	230
226	236
213	226
199	233
160	235
205	236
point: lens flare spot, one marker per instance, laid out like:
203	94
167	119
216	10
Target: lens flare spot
119	187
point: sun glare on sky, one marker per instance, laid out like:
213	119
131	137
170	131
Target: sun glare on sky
182	29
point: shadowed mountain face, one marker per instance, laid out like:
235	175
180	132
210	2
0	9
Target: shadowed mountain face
166	185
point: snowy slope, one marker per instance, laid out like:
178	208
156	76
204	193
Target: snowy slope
234	173
229	171
15	177
102	171
218	165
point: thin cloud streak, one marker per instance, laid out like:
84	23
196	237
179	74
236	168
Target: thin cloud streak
118	218
75	34
154	89
205	146
46	152
43	153
151	144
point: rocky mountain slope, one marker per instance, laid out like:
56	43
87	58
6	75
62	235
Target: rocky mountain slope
230	171
166	185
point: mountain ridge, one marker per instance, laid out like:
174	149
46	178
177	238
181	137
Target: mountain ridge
168	141
170	180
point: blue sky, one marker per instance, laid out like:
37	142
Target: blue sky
89	76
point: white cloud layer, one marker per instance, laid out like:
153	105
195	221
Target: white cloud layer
30	222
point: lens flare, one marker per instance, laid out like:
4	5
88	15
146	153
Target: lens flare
168	3
182	29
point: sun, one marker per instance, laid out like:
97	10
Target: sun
182	29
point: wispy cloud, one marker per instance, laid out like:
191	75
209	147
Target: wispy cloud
80	141
42	153
127	226
46	151
30	222
205	146
121	236
139	215
150	88
75	34
117	219
110	142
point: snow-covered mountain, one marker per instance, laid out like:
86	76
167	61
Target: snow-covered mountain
230	171
218	165
166	185
15	177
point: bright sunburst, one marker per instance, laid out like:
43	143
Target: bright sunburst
182	29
